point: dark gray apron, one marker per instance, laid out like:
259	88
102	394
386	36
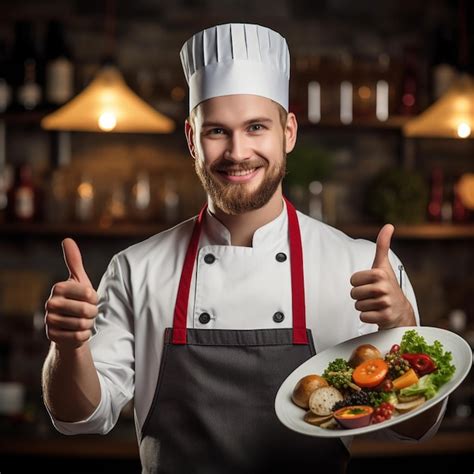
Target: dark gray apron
213	408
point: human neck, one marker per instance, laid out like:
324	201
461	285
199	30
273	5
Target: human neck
243	226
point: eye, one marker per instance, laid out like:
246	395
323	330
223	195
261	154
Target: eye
216	131
256	127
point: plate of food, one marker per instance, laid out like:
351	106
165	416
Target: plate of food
373	381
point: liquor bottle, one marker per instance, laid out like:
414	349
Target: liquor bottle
171	201
23	197
443	70
408	104
5	87
85	199
141	196
346	90
26	68
59	66
435	204
460	212
383	88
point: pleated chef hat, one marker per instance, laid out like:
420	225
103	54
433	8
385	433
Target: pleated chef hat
236	58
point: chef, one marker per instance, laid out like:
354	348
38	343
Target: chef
201	324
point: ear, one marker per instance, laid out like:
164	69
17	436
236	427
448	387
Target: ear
291	131
189	132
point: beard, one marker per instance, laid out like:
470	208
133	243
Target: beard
235	198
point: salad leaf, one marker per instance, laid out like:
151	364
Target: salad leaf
413	342
425	386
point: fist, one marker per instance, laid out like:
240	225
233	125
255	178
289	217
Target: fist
72	306
377	292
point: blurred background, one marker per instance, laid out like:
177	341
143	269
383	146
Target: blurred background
384	97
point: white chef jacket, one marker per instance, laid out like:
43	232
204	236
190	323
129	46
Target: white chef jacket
241	289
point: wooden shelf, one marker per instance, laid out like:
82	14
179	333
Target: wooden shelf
394	123
413	232
143	230
118	230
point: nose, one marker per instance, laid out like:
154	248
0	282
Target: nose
238	148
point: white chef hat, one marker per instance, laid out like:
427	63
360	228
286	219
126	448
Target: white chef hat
236	58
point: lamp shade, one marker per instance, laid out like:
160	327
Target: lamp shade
451	116
107	104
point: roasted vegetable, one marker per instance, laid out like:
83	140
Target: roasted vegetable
339	374
370	373
422	363
407	379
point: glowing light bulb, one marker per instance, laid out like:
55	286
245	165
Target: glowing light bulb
107	121
464	130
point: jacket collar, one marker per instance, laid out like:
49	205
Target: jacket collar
267	235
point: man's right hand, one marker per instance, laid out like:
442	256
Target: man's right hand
72	306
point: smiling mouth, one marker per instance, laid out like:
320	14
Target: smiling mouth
239	172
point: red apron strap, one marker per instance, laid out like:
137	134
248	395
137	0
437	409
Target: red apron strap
297	277
182	298
297	280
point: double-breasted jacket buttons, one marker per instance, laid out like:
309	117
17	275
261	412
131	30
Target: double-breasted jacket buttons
204	318
280	256
209	258
278	317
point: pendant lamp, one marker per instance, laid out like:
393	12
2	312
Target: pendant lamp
107	104
451	116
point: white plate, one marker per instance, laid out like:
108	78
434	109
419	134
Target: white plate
292	416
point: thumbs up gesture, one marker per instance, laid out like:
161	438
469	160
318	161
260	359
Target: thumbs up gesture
377	293
72	305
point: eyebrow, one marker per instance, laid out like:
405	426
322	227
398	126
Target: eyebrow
247	122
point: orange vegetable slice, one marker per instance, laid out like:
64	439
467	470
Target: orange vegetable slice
370	373
405	380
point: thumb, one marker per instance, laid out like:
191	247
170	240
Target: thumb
73	259
383	246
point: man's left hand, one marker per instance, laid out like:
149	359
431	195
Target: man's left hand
377	292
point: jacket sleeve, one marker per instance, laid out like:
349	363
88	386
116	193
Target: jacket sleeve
112	347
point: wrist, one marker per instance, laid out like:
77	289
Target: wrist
408	316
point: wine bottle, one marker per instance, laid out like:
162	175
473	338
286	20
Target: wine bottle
59	66
5	87
26	68
408	104
443	70
24	200
436	195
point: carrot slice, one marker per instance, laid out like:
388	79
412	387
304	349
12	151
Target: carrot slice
370	373
405	380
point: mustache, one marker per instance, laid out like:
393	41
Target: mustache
228	165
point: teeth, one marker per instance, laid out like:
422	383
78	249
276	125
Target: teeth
240	173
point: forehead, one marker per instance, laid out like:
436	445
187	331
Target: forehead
236	108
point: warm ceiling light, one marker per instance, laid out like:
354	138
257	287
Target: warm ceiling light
108	104
464	130
451	116
107	121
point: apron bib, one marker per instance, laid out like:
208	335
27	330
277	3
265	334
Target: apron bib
213	408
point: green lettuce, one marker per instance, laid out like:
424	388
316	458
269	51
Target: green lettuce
425	386
414	343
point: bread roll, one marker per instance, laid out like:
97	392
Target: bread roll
362	353
305	387
323	399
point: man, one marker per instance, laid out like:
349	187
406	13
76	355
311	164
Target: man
200	324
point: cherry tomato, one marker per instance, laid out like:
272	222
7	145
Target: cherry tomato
395	348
